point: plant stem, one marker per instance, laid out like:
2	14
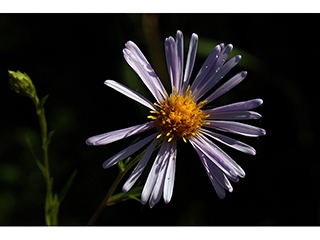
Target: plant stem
113	187
51	211
105	200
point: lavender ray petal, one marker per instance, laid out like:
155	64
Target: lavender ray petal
113	136
235	115
216	184
172	62
180	54
190	60
154	172
203	151
219	176
234	81
219	189
219	157
136	173
216	173
130	93
237	128
170	174
212	70
238	106
141	66
159	186
127	151
230	142
220	73
209	66
131	46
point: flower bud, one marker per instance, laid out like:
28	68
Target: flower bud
21	84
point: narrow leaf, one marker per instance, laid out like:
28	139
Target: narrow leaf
121	197
43	101
67	186
49	137
41	167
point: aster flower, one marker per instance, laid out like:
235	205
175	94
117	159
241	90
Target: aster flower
180	115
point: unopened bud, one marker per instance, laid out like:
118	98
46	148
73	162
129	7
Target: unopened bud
21	84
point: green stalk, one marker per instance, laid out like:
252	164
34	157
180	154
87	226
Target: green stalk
21	84
121	174
51	203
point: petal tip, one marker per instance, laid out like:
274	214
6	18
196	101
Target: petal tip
230	46
106	82
89	142
125	189
260	101
194	35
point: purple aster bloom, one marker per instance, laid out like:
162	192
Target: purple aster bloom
180	115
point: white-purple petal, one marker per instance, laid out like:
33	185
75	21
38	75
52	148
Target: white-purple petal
172	62
234	81
219	189
215	78
130	93
140	167
218	157
225	52
230	142
142	67
236	127
235	115
180	54
217	178
127	151
159	185
113	136
170	174
238	106
218	174
208	69
190	61
154	172
211	69
131	46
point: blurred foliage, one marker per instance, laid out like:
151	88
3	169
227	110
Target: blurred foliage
76	53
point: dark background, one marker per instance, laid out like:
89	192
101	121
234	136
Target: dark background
68	56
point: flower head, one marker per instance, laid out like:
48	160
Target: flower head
180	115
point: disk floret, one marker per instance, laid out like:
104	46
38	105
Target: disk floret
179	116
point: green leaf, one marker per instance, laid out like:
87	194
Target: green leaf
67	186
49	137
121	166
121	197
41	167
43	101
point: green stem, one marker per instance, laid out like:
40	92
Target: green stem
51	211
105	200
113	187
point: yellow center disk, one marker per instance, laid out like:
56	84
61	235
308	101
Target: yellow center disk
179	116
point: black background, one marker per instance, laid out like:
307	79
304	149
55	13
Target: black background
68	56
